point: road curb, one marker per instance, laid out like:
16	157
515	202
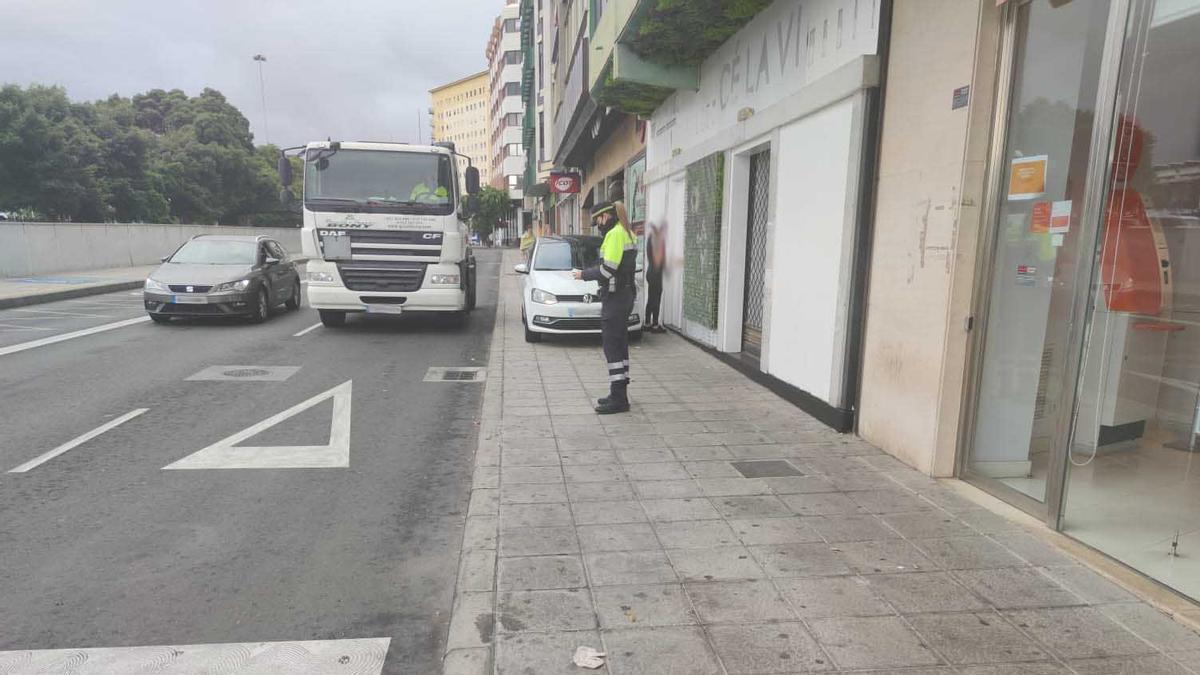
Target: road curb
68	293
470	644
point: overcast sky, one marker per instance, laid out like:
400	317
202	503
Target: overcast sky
350	69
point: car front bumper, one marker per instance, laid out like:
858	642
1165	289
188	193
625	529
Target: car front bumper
199	304
564	319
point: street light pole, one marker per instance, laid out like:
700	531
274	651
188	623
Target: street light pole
262	88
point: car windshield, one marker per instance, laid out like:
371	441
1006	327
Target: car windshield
378	181
216	252
562	255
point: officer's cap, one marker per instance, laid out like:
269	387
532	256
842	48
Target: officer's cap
602	207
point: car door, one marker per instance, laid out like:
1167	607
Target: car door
280	273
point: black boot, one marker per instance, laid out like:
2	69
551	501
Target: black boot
611	407
617	400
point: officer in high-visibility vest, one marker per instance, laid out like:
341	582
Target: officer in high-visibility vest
421	192
615	274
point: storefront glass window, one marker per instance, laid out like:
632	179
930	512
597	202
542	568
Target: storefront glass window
1057	53
1133	488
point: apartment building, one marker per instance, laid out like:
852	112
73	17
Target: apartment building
505	60
458	112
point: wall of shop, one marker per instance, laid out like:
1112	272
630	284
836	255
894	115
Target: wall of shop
617	150
931	176
792	81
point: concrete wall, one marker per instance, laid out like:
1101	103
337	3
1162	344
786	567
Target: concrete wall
928	219
45	248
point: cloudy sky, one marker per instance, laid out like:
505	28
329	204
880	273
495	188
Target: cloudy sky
350	69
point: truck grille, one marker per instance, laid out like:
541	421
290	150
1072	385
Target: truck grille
406	243
382	276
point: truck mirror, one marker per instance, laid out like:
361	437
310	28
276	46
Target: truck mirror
472	176
285	170
286	197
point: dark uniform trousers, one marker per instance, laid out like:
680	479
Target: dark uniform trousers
614	335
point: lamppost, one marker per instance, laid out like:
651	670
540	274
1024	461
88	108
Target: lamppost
262	88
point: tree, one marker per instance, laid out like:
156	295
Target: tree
160	156
492	206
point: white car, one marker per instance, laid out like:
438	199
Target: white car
553	302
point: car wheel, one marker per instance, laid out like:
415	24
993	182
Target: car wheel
262	306
160	318
531	336
293	301
332	319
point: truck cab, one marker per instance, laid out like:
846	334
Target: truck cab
384	228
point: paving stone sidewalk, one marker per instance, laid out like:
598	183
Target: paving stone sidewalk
718	529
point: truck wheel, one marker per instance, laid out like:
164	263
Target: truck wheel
332	319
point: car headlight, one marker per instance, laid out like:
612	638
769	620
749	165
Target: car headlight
155	285
542	297
445	279
321	277
239	285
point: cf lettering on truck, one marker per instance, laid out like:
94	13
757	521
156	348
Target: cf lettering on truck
384	228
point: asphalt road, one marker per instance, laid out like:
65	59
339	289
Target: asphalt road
102	547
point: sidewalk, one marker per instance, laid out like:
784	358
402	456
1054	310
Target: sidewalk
641	535
20	291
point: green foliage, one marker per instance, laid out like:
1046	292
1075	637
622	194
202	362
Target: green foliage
687	31
492	206
704	199
161	156
634	98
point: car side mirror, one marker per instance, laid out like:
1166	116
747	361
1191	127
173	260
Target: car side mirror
472	177
521	268
272	261
284	166
165	258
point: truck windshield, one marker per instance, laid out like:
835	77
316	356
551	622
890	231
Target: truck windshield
379	181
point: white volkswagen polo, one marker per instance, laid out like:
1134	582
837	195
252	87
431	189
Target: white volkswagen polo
553	302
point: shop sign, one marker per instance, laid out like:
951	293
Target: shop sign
564	183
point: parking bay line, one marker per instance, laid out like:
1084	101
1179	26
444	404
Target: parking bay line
54	339
76	442
308	330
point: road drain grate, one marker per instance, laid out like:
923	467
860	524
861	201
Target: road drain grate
456	374
769	468
246	372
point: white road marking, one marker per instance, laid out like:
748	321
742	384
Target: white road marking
76	442
364	656
54	339
223	454
55	313
308	330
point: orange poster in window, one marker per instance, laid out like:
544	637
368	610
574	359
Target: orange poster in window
1040	222
1027	179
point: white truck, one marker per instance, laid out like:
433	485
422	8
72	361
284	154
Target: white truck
384	228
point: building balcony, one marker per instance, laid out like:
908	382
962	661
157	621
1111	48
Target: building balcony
642	51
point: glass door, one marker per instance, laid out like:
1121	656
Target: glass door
1054	53
1133	488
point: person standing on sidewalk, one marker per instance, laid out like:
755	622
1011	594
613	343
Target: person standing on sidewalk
615	274
656	260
